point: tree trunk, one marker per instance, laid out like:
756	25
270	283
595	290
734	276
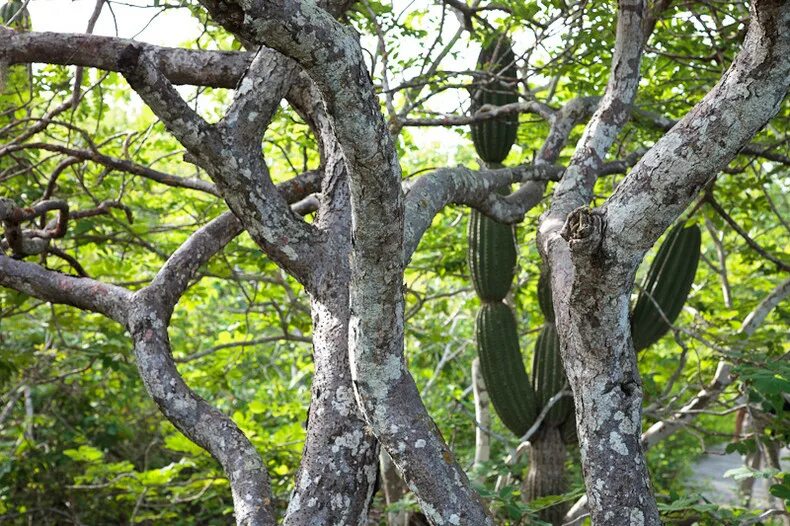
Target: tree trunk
546	473
394	489
591	300
338	471
482	417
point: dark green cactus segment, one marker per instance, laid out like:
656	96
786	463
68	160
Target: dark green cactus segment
9	10
492	256
493	138
544	296
503	369
666	286
548	375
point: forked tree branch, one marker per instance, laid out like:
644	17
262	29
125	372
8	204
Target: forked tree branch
703	142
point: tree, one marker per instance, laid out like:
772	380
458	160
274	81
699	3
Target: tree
352	257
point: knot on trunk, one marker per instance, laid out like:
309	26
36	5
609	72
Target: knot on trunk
129	59
584	229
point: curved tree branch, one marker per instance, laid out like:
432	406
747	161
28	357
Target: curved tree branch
149	316
430	193
385	389
49	285
218	69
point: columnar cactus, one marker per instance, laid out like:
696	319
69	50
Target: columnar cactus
492	258
492	249
666	286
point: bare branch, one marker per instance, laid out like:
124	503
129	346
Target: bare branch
219	69
160	95
197	419
756	317
49	285
485	113
576	187
173	278
426	196
756	149
256	100
120	165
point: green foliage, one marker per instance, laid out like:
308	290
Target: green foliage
96	449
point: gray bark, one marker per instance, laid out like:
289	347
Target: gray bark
146	314
595	255
351	259
385	390
221	69
339	464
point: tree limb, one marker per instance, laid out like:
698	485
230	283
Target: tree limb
218	69
159	94
49	285
429	194
671	174
333	58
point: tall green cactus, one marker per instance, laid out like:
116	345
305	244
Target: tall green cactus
660	300
548	447
662	295
492	250
493	138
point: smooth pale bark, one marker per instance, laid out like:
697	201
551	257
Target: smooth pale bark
482	416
